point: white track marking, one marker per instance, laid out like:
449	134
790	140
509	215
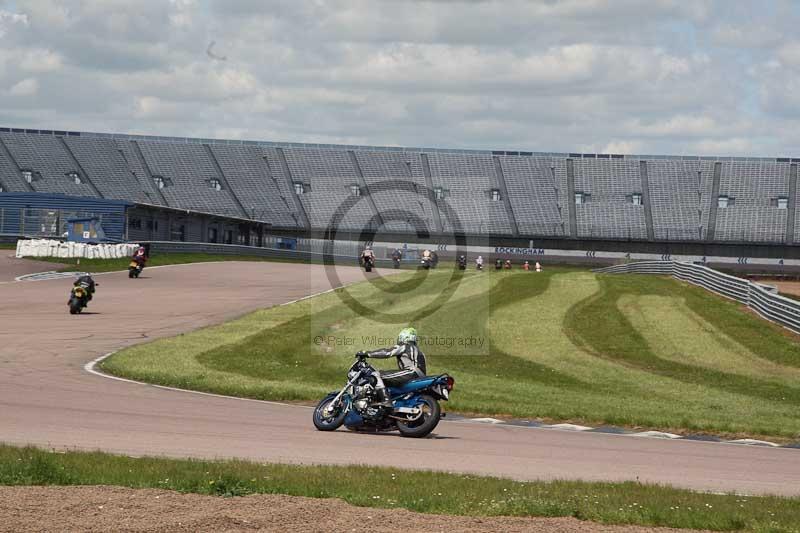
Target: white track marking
656	435
752	442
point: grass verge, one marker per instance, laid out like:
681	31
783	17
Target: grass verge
178	258
113	265
564	345
428	492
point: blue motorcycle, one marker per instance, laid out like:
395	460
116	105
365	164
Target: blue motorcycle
415	410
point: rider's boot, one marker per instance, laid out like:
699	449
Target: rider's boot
382	397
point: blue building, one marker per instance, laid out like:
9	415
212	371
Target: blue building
37	214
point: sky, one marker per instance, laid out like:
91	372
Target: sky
683	77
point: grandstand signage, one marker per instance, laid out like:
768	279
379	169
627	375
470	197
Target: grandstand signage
518	251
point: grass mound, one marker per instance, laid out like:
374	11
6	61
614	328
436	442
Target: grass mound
562	345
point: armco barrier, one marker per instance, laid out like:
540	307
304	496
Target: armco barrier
762	299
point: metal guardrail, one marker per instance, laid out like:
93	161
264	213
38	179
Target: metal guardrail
762	299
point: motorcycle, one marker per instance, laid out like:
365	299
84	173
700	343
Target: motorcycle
462	263
80	294
415	410
426	263
396	261
368	262
135	268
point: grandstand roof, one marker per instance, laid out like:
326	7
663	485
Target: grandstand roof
197	140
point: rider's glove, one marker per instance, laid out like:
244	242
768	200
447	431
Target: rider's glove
362	354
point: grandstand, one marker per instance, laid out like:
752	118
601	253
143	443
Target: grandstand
493	194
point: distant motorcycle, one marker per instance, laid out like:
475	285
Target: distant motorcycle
135	268
80	294
368	262
396	261
462	262
426	263
415	410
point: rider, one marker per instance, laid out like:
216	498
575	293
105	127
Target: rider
140	256
367	253
410	364
87	284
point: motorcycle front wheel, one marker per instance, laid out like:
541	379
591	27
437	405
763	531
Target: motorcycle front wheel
427	421
329	421
74	306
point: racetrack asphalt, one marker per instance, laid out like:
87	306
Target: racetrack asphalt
48	399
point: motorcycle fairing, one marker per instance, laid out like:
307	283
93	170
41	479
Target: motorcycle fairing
415	385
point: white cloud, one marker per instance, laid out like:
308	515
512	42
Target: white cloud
26	87
652	76
40	60
8	18
732	146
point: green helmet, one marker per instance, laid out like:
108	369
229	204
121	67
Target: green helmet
407	335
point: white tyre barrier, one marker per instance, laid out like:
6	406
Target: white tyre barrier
52	248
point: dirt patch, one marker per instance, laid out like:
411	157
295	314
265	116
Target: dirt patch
11	267
786	287
122	509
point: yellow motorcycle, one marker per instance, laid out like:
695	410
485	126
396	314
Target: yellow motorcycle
135	268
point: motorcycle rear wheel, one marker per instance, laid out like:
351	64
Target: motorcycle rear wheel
329	423
422	426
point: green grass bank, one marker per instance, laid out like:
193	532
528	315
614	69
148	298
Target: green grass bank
428	492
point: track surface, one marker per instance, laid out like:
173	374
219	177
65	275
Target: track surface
11	267
47	399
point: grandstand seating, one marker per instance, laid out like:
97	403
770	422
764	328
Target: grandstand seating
129	151
10	177
609	213
537	190
191	171
754	185
107	168
248	177
46	157
679	198
467	180
397	187
330	201
396	183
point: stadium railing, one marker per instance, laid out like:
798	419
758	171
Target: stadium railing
760	298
